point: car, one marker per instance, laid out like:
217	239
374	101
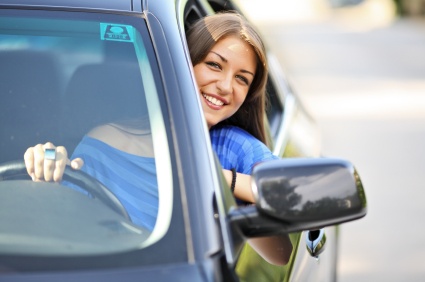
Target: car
68	66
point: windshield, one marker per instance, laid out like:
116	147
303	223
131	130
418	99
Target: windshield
89	83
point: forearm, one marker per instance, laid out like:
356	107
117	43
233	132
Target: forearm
275	250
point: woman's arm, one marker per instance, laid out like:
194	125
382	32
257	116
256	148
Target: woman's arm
242	186
275	249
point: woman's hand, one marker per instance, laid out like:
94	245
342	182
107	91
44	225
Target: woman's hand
51	166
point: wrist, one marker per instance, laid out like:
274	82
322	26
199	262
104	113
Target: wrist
233	180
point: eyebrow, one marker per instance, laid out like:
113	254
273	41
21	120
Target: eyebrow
225	60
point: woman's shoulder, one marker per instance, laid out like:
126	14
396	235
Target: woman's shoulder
124	139
231	130
239	140
234	134
239	146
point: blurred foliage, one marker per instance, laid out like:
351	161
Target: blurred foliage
410	8
398	6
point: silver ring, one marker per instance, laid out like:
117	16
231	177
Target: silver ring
50	154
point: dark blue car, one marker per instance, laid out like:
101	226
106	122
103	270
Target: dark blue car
67	66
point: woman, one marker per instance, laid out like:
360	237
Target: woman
231	72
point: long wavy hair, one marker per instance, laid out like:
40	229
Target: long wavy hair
201	38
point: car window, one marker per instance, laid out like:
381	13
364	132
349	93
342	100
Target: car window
90	83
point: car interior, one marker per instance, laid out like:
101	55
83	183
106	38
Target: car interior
41	93
22	85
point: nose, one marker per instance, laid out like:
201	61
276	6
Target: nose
224	84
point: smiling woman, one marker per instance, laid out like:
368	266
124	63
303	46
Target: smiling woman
224	77
224	30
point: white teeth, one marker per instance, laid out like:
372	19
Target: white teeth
213	100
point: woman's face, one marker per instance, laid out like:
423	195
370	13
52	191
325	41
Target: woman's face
224	78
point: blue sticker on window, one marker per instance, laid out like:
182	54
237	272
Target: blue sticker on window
116	32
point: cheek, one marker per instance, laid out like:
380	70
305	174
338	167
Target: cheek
237	102
240	98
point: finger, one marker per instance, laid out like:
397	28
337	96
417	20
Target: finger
77	163
61	162
38	162
49	161
29	161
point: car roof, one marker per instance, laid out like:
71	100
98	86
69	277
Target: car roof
117	5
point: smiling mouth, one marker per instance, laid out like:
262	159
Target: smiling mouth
213	100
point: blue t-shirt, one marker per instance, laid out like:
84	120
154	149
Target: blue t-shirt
238	149
131	178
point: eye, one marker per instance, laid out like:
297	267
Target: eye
243	79
213	65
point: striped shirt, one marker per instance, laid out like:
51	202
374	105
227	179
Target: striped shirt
131	178
238	149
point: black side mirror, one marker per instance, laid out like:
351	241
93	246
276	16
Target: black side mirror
301	194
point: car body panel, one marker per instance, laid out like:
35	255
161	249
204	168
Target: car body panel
115	5
183	272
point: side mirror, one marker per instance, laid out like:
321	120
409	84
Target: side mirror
300	194
309	193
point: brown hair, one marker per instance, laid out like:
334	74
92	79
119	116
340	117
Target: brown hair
202	37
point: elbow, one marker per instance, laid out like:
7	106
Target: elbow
286	257
275	250
281	257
